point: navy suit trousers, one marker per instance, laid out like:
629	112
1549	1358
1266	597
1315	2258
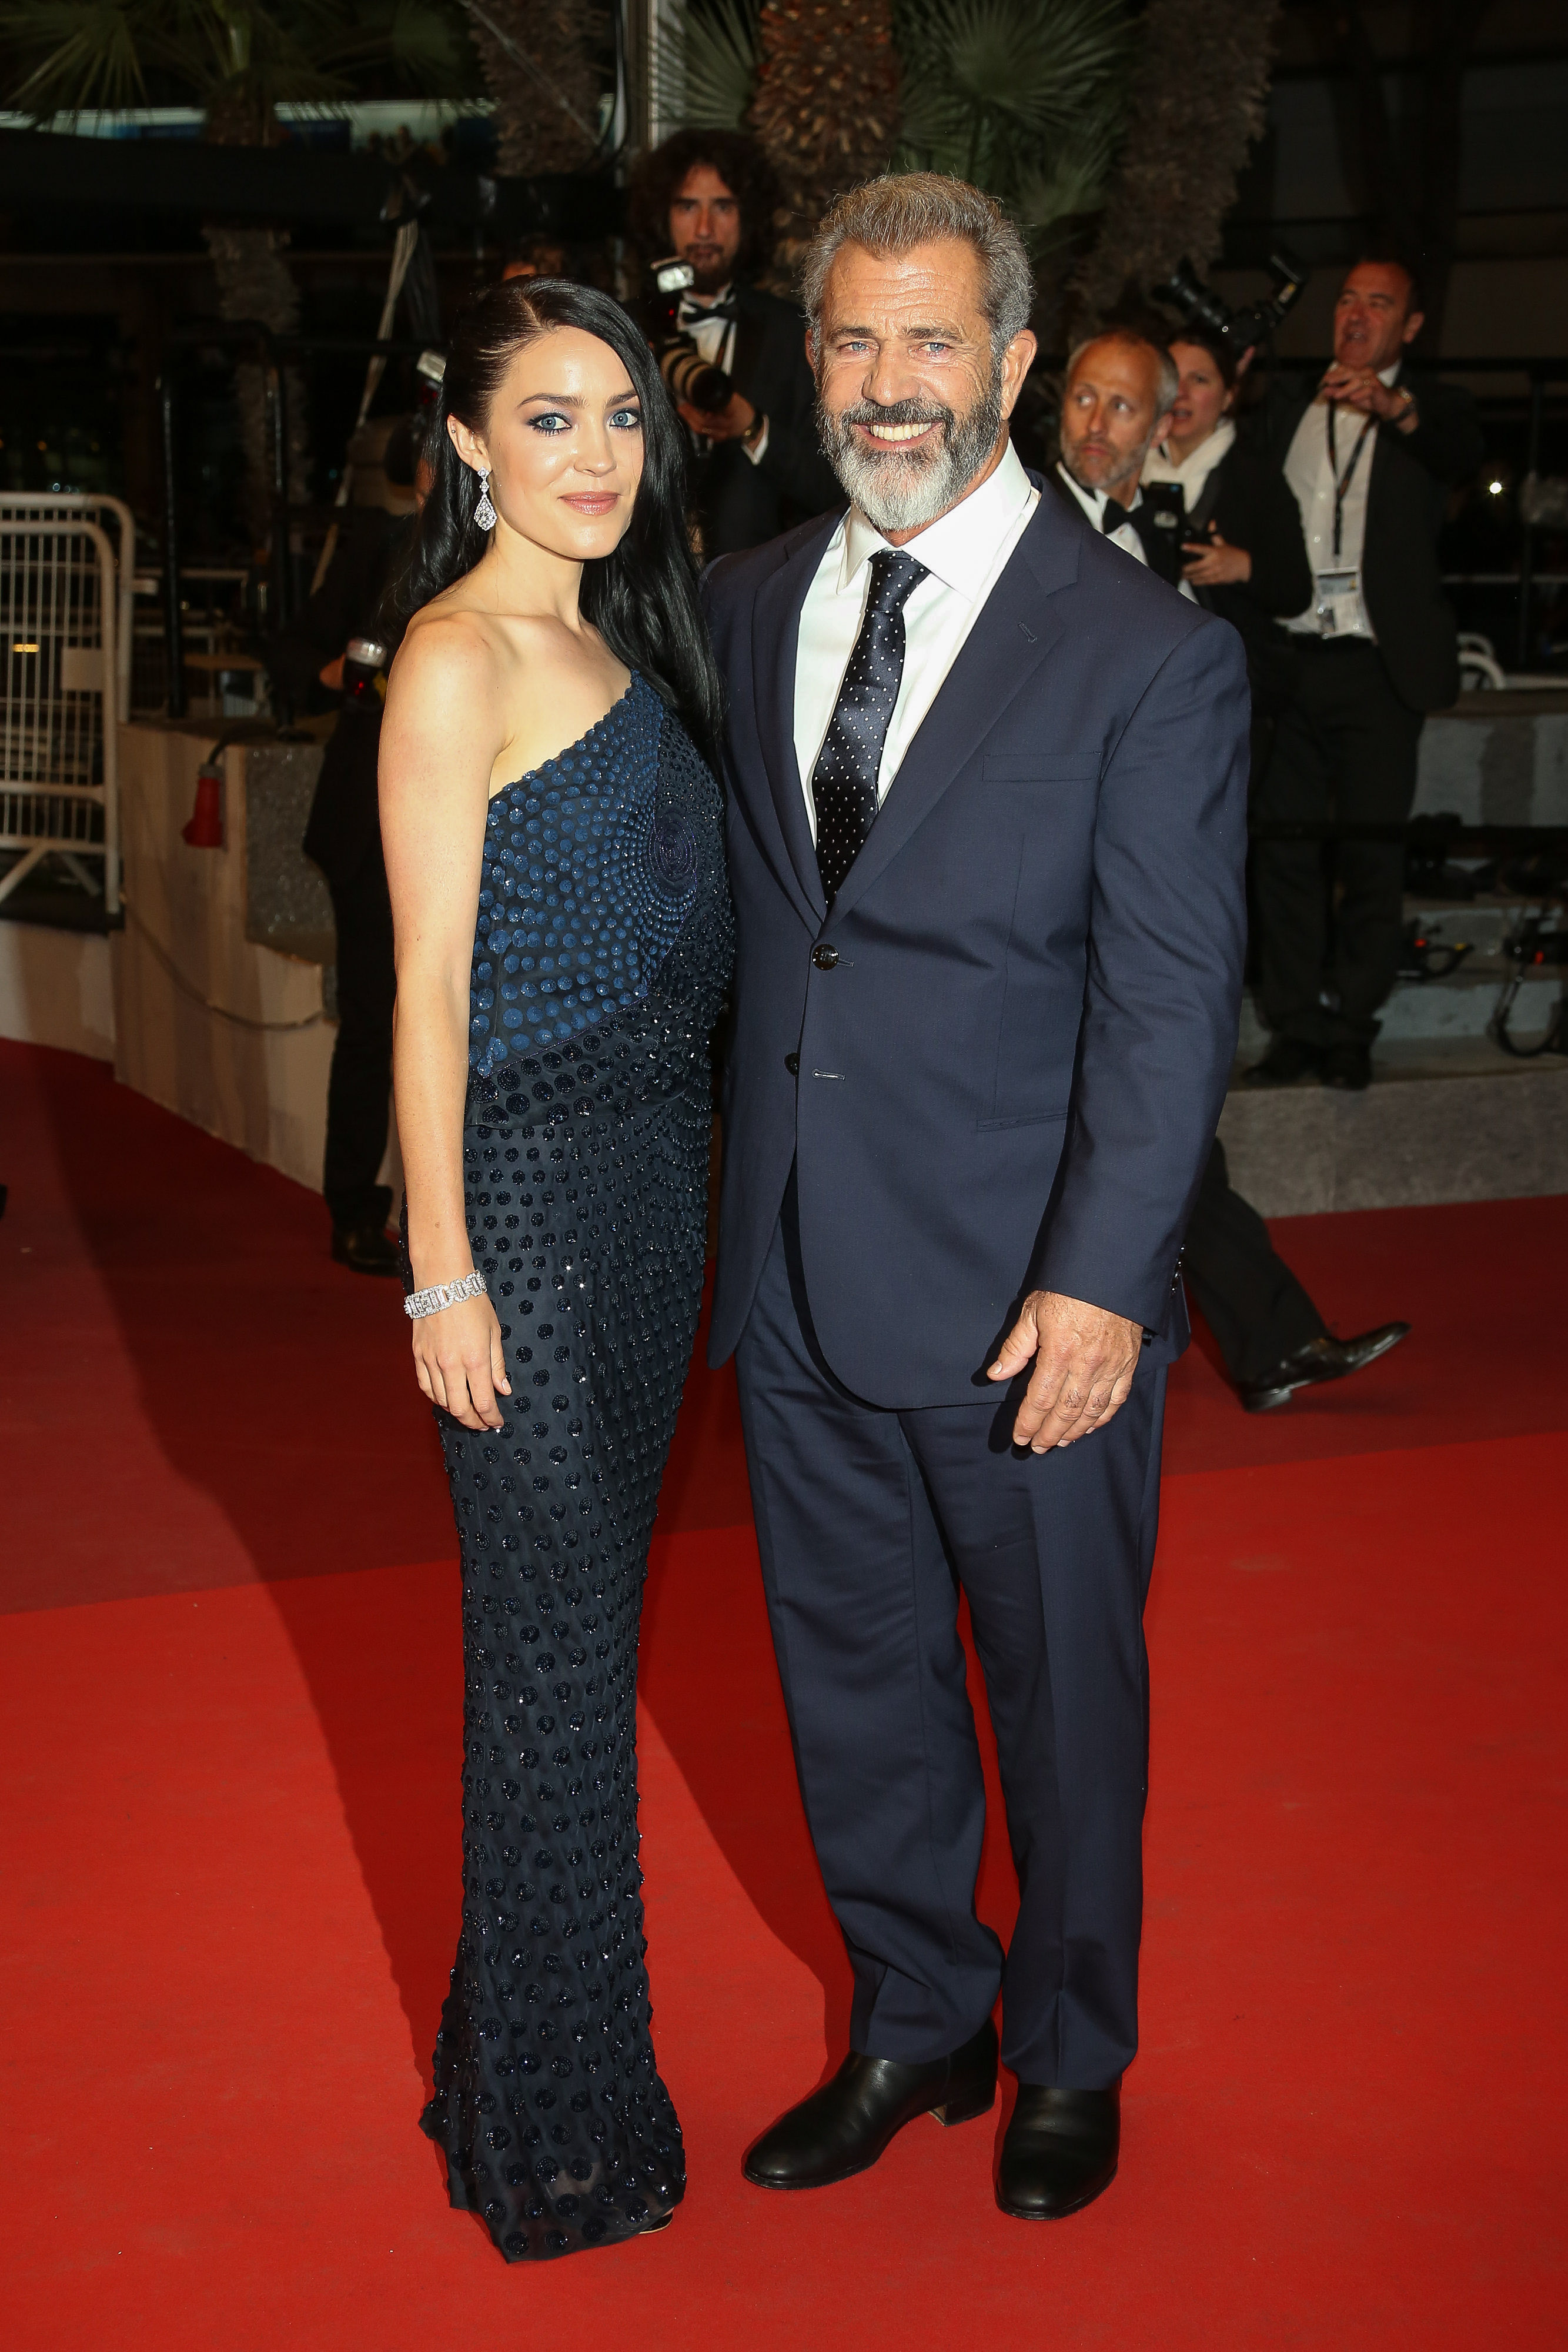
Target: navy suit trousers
871	1522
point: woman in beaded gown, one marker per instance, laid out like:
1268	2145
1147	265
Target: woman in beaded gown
554	850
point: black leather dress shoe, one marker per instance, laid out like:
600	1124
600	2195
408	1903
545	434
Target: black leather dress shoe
1286	1061
1320	1360
1348	1068
365	1249
1059	2151
843	2128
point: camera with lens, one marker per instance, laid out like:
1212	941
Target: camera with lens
687	375
1243	329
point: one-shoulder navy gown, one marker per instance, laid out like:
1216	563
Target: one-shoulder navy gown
602	951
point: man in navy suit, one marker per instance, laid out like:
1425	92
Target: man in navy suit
986	784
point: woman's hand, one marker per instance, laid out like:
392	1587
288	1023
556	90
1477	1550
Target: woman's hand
1218	564
457	1356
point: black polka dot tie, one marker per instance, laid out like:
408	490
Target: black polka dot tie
843	783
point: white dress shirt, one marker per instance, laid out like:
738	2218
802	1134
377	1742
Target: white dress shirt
965	552
1310	474
1094	503
715	338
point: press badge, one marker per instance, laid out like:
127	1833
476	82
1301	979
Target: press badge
1338	607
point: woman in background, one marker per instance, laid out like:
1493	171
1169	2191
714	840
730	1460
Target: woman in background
554	852
1243	552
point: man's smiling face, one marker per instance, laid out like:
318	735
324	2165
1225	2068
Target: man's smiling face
912	403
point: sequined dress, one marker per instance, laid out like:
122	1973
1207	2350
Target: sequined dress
602	950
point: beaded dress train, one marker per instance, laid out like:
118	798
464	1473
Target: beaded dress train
602	951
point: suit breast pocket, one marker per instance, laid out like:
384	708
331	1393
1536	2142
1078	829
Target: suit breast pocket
1038	767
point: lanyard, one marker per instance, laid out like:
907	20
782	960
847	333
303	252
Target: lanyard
1342	481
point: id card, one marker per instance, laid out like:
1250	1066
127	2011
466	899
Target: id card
1338	608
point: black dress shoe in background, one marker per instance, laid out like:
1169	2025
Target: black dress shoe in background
843	2128
1286	1061
365	1249
1060	2152
1348	1068
1321	1360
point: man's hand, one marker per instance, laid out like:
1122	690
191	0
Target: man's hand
722	424
1360	388
1084	1358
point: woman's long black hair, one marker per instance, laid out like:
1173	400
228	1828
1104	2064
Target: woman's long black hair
642	599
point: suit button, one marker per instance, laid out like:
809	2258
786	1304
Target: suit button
824	957
792	1064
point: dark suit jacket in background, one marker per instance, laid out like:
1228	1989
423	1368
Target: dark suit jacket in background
739	504
1412	474
1012	1061
344	828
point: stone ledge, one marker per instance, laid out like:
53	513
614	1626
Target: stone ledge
1406	1141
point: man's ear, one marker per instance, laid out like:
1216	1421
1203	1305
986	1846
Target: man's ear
1016	362
1413	326
467	444
811	349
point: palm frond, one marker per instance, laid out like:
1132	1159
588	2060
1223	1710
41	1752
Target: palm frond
1022	97
706	59
81	53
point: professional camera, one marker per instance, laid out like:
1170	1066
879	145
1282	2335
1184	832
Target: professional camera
688	377
1240	330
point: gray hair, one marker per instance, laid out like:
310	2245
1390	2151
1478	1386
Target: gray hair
1167	383
895	214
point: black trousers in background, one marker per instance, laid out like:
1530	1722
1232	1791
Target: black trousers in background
869	1523
1248	1297
1344	746
360	1088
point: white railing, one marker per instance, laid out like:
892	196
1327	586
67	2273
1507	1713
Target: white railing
60	595
111	515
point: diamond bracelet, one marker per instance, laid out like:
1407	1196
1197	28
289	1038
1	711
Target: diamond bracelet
444	1294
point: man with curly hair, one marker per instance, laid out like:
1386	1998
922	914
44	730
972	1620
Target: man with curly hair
709	196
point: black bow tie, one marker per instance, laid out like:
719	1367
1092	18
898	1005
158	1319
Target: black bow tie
696	314
1115	516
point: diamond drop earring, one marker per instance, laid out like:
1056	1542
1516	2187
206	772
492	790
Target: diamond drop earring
484	513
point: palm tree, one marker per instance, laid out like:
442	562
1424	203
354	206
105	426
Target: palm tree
825	104
540	60
1197	94
239	62
1023	98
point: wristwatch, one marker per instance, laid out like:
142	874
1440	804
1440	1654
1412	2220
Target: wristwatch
753	431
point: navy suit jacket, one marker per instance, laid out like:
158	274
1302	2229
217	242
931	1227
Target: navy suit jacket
1015	1028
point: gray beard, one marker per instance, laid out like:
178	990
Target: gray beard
904	493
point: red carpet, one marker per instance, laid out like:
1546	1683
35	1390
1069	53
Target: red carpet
230	1828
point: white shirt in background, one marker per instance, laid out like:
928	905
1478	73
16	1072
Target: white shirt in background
1311	475
715	338
965	553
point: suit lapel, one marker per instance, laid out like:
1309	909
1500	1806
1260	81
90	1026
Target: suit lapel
750	334
775	639
1004	650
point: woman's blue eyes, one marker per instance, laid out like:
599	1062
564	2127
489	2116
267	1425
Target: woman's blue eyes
551	422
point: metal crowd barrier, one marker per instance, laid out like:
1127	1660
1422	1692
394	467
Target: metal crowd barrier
66	684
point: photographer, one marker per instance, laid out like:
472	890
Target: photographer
337	652
1236	529
1370	456
708	198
